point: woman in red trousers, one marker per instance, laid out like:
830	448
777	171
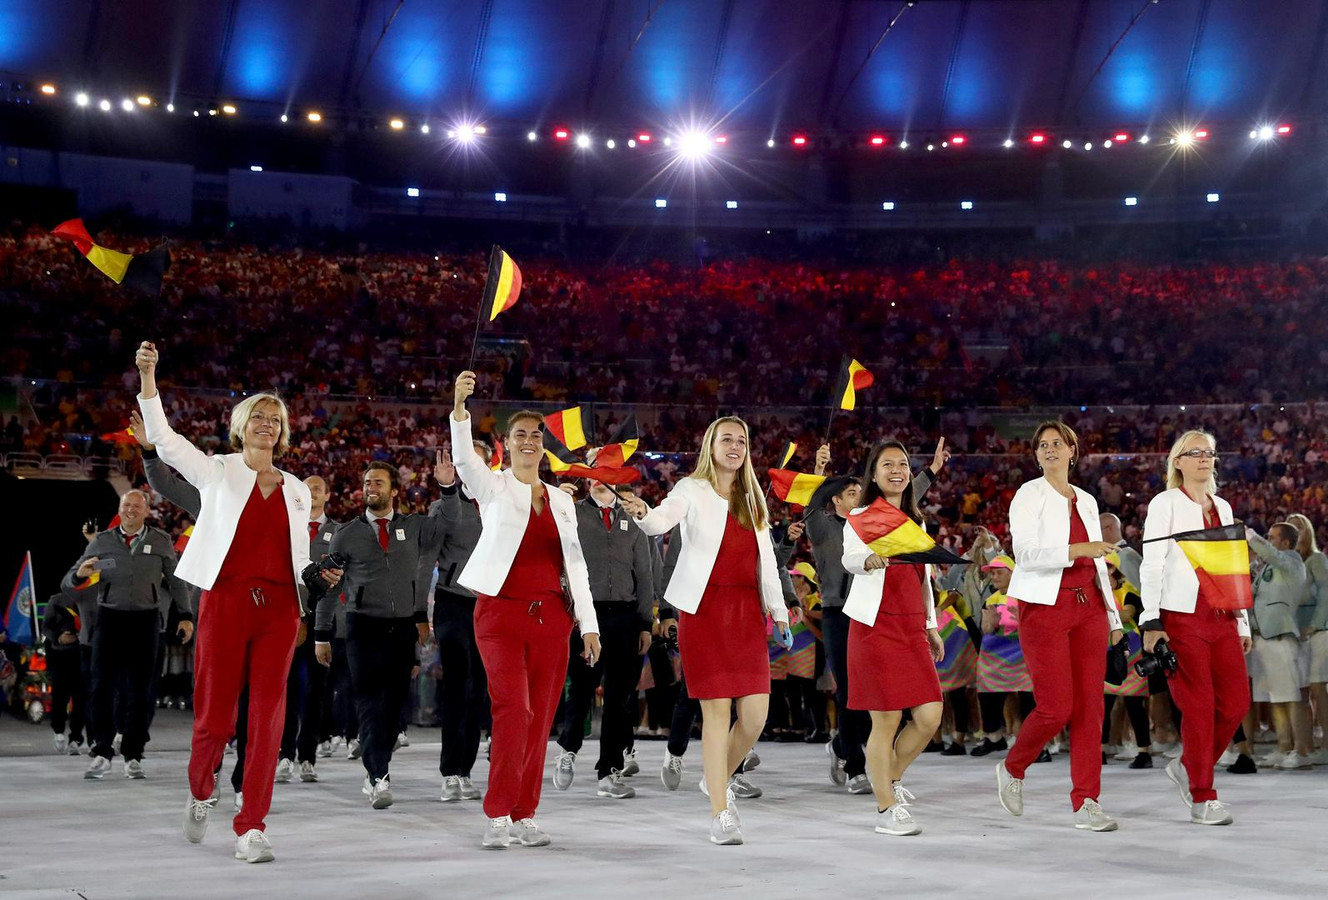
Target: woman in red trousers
1067	621
725	583
893	644
522	621
1210	684
249	546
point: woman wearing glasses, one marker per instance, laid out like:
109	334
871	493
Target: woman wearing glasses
1210	685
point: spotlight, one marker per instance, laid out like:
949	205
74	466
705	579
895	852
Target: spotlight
903	145
965	204
1066	144
1037	138
228	109
661	203
255	168
1088	145
1143	139
170	107
1201	134
730	204
931	147
631	142
1120	137
480	129
195	114
583	141
722	139
770	143
611	143
693	145
144	100
1131	201
48	90
888	206
1185	139
799	140
463	133
944	144
212	112
499	197
532	136
561	134
424	129
412	192
127	105
1213	198
1008	144
315	117
104	105
668	142
1107	144
396	124
81	99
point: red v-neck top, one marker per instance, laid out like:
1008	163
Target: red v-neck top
261	548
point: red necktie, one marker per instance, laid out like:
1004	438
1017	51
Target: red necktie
382	534
313	531
608	518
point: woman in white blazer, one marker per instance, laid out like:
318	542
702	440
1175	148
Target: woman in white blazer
525	565
249	549
893	644
1210	685
1067	621
724	584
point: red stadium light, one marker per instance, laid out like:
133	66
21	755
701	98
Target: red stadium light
561	134
799	140
958	140
1120	137
1283	129
1038	138
722	139
878	140
1201	134
643	138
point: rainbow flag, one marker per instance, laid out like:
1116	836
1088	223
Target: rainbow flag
143	271
853	377
503	285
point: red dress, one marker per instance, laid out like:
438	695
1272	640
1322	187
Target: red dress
723	645
889	664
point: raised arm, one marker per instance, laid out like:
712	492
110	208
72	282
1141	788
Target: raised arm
195	465
479	479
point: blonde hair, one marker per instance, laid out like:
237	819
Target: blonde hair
1307	543
746	500
245	408
1174	477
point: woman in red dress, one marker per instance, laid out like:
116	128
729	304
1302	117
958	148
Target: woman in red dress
724	584
893	645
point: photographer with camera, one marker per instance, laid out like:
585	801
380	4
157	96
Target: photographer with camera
1186	632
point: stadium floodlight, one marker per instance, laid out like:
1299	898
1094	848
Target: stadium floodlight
661	203
81	99
396	124
583	141
127	105
315	117
1131	201
48	90
1213	198
104	105
965	204
499	197
693	145
412	192
888	206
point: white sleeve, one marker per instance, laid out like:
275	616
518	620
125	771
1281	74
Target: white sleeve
856	553
1024	527
1157	524
196	466
670	512
482	482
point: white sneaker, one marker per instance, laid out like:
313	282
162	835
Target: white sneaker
1160	748
115	742
1264	736
728	799
565	770
76	748
325	750
724	829
1090	817
1270	760
253	847
498	835
451	789
196	819
1055	747
239	801
468	789
1294	760
1181	779
751	762
285	771
630	766
1318	757
528	833
98	769
1175	752
897	820
837	775
903	796
308	774
1214	812
1010	790
402	741
1227	758
859	784
613	787
380	796
741	786
1128	751
133	768
671	773
61	743
1111	750
353	750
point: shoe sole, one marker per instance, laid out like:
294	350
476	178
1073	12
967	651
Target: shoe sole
90	777
1194	821
613	796
495	845
265	856
309	779
382	802
727	842
1100	828
880	830
139	777
1000	794
283	780
447	799
539	843
861	791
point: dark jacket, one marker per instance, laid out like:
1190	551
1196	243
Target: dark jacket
459	539
142	579
61	616
617	559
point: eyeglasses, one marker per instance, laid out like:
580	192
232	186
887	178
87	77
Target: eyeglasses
1200	454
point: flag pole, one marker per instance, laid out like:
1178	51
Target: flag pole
479	313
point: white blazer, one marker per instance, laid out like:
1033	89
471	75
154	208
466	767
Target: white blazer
1040	532
1168	578
864	594
703	515
504	513
224	484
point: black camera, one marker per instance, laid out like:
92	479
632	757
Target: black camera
1162	659
314	570
331	561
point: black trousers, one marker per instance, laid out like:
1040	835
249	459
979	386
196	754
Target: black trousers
854	724
619	667
341	694
463	687
959	704
304	704
69	694
1136	708
992	706
241	739
381	653
154	686
124	649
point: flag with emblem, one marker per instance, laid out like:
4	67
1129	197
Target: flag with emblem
20	611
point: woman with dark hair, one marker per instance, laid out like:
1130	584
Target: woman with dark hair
893	644
1066	611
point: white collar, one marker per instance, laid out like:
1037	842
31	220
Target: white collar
371	518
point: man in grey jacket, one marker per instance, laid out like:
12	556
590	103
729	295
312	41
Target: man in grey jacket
1275	655
463	689
622	583
129	568
386	582
1130	558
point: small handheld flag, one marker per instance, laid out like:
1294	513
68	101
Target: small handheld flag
560	458
853	377
795	488
20	609
181	542
568	427
889	532
504	284
621	446
788	455
496	461
124	436
143	271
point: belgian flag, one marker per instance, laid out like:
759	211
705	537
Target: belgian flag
795	488
503	285
560	458
788	454
124	436
569	427
143	271
496	461
853	377
621	446
1221	560
889	532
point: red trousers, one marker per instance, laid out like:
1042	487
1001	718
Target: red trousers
1065	649
1211	688
241	642
524	647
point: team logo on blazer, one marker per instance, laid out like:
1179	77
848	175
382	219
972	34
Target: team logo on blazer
299	504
